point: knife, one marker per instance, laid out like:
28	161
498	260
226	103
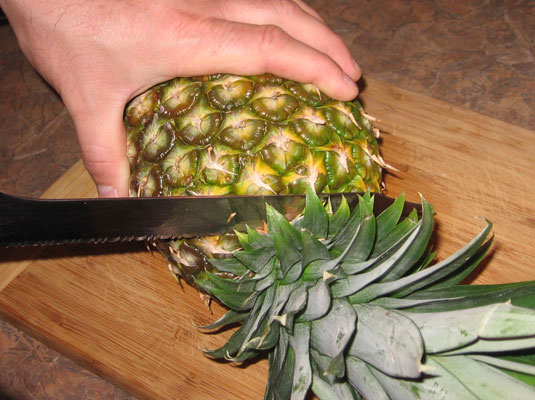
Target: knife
26	221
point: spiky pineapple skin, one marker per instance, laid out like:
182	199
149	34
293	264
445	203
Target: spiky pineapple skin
228	134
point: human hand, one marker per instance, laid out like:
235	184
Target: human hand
99	54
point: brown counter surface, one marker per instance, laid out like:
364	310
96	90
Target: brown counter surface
475	54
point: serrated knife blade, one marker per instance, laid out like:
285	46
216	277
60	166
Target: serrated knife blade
27	221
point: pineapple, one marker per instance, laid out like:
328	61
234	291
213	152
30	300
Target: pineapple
344	304
228	134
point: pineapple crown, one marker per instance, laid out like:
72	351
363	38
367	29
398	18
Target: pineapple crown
346	304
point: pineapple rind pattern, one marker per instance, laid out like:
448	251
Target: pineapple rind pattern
279	122
258	135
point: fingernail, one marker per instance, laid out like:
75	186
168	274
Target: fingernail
106	191
349	80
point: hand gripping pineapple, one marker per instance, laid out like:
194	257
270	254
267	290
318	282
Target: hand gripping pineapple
343	303
100	54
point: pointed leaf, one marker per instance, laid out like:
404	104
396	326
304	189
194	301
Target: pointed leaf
321	365
506	364
360	376
283	382
238	301
270	336
257	240
495	346
232	346
255	259
315	219
451	330
460	275
228	294
391	255
297	300
318	303
339	218
454	263
395	234
281	299
408	284
346	234
269	268
293	274
313	249
419	247
228	284
387	340
521	294
229	318
331	334
381	266
266	282
253	336
441	386
389	218
243	238
484	381
337	366
279	225
316	269
362	246
230	265
336	391
302	373
286	239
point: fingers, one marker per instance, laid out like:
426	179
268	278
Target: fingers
309	9
299	21
255	49
102	140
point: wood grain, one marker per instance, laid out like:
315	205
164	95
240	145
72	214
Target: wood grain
469	167
116	309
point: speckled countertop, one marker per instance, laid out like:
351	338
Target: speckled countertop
479	54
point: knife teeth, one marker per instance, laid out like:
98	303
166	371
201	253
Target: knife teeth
147	238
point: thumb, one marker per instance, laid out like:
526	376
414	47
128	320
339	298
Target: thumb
102	139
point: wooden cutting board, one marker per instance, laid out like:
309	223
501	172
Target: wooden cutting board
116	309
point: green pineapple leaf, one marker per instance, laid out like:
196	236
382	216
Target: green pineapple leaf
388	219
315	218
349	305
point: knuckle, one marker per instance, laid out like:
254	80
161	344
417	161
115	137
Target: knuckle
271	37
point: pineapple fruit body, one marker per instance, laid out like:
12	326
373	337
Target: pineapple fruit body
259	135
